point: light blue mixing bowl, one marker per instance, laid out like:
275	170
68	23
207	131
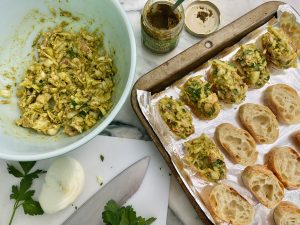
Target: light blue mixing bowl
20	23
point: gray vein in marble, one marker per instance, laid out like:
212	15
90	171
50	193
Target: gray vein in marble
124	130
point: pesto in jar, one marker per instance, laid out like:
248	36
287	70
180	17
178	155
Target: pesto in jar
161	26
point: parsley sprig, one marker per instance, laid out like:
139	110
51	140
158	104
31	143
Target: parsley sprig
114	215
22	193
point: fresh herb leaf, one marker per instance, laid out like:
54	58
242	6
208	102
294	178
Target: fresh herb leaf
22	193
13	171
102	158
131	214
35	174
28	195
124	218
27	166
14	192
25	184
149	221
114	215
32	207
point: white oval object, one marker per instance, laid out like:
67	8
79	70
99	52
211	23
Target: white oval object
202	18
63	184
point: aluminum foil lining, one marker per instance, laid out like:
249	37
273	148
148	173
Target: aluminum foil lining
228	114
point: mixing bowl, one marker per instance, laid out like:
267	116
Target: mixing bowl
21	21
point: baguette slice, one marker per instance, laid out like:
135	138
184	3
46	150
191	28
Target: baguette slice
284	101
229	206
260	122
286	213
263	184
238	143
285	164
296	136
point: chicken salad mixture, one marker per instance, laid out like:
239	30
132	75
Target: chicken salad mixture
206	158
198	95
226	82
69	85
278	48
176	116
252	66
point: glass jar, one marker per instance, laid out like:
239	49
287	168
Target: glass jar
161	39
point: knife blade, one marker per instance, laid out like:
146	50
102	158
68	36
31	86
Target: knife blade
120	189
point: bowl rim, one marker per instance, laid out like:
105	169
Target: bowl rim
106	121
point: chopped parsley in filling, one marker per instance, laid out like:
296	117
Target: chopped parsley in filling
226	82
206	158
252	66
198	95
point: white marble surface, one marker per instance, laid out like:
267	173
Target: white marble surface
126	122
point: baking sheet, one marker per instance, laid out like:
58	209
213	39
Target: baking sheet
173	145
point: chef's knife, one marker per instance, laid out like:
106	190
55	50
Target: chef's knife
120	189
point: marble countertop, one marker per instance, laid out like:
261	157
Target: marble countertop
126	123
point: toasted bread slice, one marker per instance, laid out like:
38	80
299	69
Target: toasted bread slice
264	185
284	101
296	136
229	206
285	164
238	143
260	122
286	213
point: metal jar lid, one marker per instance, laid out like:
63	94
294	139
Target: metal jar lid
202	18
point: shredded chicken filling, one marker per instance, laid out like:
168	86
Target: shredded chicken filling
69	85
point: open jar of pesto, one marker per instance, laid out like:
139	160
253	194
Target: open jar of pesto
161	26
